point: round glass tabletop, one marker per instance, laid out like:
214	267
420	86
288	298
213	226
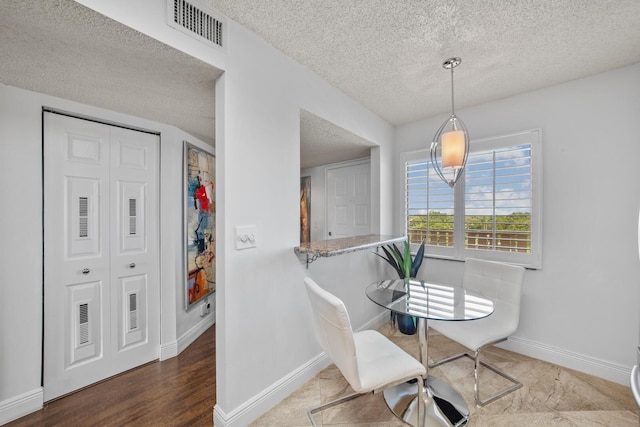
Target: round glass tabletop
429	300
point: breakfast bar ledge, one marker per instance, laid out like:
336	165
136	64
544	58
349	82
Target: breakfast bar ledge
326	248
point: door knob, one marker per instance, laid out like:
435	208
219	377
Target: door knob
85	271
132	265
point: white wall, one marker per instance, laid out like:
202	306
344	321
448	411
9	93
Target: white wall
268	342
21	284
20	252
581	309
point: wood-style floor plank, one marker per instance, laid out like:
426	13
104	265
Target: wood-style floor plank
177	392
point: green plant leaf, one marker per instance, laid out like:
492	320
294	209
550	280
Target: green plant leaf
406	265
417	261
401	261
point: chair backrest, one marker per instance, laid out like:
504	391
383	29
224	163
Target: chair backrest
495	280
333	330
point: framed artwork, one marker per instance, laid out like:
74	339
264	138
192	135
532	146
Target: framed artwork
305	209
199	223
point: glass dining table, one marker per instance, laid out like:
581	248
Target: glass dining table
423	300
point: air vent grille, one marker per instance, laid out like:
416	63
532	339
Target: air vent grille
198	22
133	311
83	217
133	220
84	323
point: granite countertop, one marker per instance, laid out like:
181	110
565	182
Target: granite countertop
327	248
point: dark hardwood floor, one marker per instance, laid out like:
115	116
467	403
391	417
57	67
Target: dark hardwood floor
177	392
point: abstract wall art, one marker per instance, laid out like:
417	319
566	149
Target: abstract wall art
305	209
199	223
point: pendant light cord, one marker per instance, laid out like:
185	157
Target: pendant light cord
453	112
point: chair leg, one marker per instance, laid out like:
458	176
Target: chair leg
449	359
420	413
476	380
327	405
515	386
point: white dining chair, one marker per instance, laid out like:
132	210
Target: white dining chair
501	283
368	360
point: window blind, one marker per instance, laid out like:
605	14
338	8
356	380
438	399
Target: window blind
498	199
429	205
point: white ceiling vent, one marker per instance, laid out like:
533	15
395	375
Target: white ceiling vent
195	20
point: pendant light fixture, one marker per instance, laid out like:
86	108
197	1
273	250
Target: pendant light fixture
450	145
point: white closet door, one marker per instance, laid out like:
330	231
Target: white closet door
135	283
101	289
349	201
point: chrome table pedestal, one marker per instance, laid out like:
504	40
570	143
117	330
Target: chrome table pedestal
443	405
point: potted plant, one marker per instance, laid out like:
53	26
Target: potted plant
407	268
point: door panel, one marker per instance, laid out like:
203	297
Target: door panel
101	261
361	216
131	222
84	305
348	201
82	219
132	311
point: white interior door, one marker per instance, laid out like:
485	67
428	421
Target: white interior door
101	288
349	201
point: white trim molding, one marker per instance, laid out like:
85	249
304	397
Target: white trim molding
196	330
174	348
168	350
271	396
261	403
558	356
21	405
377	322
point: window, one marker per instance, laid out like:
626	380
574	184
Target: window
494	211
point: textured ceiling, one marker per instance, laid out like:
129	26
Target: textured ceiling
388	54
385	54
61	48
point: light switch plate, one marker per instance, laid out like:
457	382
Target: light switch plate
246	237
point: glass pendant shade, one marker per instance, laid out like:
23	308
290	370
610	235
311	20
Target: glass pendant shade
450	145
450	149
453	149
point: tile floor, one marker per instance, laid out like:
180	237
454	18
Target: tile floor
551	395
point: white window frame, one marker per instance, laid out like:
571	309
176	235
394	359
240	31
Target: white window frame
458	251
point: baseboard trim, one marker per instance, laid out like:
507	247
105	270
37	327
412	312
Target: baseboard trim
21	405
377	322
589	365
168	350
174	348
198	329
252	409
270	397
